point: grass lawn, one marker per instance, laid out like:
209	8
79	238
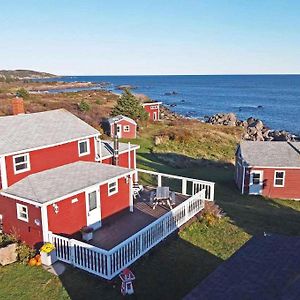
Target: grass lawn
175	266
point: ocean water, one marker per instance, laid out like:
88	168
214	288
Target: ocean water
275	99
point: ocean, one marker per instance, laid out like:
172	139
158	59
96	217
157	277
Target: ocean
275	99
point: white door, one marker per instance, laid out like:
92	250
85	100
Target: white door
93	210
119	130
256	182
155	115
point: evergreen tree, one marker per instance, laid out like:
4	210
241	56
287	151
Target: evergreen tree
128	105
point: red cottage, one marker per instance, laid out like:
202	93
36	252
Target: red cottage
52	179
271	169
126	127
152	108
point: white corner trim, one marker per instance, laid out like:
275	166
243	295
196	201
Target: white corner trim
129	156
3	173
243	180
45	225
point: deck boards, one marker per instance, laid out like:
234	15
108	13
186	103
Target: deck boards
121	226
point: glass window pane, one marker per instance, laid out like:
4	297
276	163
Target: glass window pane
92	200
20	159
83	147
21	166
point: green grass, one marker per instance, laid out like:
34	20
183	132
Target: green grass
175	266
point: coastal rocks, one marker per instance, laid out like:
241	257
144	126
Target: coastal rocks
254	129
126	87
170	93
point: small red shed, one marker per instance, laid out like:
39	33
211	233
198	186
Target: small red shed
271	169
152	108
126	127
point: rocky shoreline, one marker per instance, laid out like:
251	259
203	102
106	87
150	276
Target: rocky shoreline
254	129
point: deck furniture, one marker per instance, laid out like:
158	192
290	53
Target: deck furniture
162	196
136	189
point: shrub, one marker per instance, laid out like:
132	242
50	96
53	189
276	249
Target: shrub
211	213
23	93
84	106
6	239
129	106
99	102
25	253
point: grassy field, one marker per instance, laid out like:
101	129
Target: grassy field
174	267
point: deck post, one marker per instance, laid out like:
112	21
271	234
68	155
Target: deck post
72	251
212	192
159	180
184	186
130	195
109	274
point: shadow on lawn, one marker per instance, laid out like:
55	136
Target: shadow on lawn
254	214
169	271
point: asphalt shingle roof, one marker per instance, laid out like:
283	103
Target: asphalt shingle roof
264	268
55	183
107	148
27	131
271	154
120	117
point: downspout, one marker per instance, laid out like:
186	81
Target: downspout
116	146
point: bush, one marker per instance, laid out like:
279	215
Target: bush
211	213
99	102
128	105
23	93
84	106
6	239
24	252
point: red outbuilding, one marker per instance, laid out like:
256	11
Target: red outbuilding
126	127
57	175
271	169
152	108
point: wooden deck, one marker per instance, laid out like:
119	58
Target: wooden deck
121	226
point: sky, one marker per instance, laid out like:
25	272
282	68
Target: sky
144	37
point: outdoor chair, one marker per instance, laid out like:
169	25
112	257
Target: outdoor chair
152	196
173	198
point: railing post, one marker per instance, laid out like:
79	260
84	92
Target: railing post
50	237
212	192
184	186
159	180
109	266
72	252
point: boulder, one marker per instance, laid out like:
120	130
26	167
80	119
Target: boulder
160	139
8	254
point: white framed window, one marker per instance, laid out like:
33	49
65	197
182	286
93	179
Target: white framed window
22	212
126	128
153	107
112	187
21	163
84	147
279	177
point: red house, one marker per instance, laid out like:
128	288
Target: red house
271	169
52	178
152	108
126	127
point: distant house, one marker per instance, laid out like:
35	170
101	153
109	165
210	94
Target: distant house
271	169
152	108
126	127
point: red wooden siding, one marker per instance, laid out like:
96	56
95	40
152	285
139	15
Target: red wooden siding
123	160
125	135
151	110
70	218
29	231
114	203
48	158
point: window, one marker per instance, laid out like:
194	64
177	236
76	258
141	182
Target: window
279	178
22	212
21	163
112	188
84	147
153	107
255	178
126	128
92	200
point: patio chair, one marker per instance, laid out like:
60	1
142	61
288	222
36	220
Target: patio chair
152	196
173	199
137	186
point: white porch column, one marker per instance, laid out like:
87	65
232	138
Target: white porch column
45	227
130	194
3	173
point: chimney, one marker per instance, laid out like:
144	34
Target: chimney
116	146
18	106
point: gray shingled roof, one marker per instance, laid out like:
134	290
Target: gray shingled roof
118	118
107	147
34	130
264	268
271	154
55	183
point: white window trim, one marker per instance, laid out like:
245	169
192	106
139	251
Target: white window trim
27	160
87	141
19	209
283	179
117	187
126	128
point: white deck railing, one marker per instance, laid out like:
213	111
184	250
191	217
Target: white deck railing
189	186
109	264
